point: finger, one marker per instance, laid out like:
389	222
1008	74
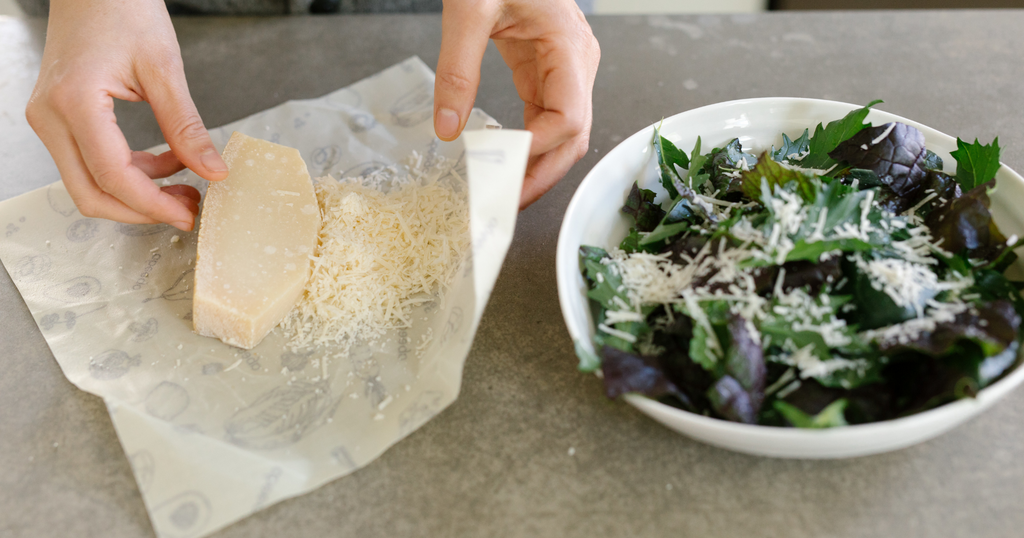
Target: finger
566	107
90	200
88	197
187	191
108	160
156	166
183	129
521	57
191	204
544	171
164	165
465	30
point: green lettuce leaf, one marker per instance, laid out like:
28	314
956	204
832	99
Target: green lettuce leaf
700	353
663	232
669	157
830	417
825	139
975	163
802	250
589	361
775	175
696	176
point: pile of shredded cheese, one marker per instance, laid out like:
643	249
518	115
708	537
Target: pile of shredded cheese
387	244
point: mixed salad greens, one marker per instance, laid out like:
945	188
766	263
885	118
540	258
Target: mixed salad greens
841	278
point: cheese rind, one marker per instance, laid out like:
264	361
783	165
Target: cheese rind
257	230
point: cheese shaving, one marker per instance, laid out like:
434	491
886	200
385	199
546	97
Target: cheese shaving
380	254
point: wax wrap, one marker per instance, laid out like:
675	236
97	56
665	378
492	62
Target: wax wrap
215	433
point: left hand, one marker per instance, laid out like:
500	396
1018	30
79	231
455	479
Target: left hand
553	56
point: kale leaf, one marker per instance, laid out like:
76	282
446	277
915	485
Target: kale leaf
932	161
669	158
725	164
792	150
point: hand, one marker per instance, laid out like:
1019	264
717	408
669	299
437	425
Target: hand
553	56
100	50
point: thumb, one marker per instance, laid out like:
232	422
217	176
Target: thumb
181	125
465	30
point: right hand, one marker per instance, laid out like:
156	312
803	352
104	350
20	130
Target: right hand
553	55
100	50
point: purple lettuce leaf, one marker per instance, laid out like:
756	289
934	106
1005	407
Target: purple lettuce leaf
732	402
992	326
894	152
739	393
640	205
626	372
966	224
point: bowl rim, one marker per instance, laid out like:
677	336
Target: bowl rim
985	397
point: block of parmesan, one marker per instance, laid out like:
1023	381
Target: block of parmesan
257	230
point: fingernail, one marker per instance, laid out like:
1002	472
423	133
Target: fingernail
212	162
446	124
183	226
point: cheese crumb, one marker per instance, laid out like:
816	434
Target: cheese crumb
380	253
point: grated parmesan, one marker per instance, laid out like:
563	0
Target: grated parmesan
380	254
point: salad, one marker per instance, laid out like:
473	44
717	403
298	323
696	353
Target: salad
841	278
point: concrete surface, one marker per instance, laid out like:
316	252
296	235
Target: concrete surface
497	463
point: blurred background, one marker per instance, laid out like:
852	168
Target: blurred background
748	6
11	7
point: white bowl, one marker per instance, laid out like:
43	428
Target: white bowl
593	218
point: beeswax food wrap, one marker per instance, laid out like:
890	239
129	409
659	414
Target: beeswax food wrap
215	433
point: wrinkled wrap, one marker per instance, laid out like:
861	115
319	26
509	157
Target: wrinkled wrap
215	433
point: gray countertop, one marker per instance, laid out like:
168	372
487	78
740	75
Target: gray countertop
497	462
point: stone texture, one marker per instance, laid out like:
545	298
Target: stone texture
496	463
